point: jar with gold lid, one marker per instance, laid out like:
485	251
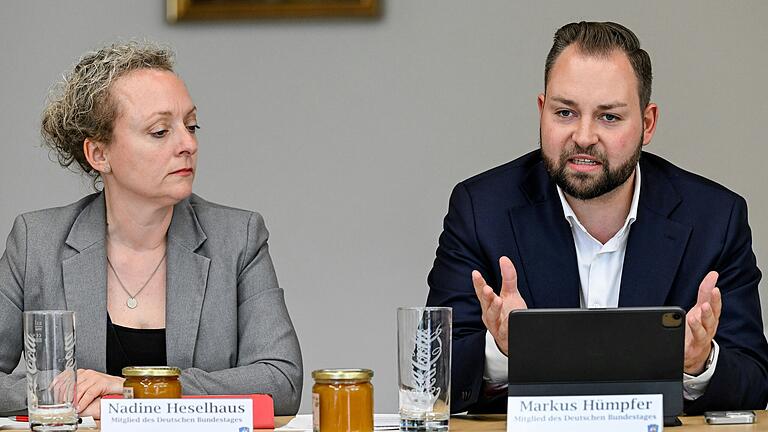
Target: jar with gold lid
342	400
151	382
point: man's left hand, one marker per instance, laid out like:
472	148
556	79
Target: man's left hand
701	325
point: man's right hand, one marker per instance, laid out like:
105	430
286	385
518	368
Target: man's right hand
496	308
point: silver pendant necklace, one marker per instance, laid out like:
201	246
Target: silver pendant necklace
131	302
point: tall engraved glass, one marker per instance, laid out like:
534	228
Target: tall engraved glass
49	351
424	367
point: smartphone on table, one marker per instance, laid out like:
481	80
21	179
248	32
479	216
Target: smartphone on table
729	417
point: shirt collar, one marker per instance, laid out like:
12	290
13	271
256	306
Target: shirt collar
570	216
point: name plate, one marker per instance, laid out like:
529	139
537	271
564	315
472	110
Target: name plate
608	413
189	415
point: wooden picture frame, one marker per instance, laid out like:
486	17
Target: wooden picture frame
196	10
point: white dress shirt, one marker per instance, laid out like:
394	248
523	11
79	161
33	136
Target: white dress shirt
600	268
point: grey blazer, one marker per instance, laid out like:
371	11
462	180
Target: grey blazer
227	326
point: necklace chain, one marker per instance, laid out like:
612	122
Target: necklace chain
131	302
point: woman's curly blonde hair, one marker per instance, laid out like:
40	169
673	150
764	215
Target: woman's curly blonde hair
81	107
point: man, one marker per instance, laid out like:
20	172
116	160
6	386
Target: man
590	220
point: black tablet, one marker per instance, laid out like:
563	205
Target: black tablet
569	352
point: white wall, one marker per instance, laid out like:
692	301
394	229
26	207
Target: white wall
348	136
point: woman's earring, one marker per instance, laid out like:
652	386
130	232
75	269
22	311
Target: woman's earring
107	168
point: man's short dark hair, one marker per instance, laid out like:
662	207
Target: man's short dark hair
602	39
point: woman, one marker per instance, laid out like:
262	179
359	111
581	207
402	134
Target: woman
156	274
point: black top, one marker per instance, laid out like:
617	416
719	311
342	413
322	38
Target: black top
133	347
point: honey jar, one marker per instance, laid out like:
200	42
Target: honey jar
151	382
342	400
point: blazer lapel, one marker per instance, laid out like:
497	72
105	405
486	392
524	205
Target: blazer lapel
85	284
545	243
656	243
186	280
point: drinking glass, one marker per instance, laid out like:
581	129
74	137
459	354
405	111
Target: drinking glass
424	367
49	351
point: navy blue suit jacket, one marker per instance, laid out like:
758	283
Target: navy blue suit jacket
686	226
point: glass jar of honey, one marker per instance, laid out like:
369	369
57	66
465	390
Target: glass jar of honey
151	382
342	400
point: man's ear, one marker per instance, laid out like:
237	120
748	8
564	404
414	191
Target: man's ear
650	117
541	99
96	155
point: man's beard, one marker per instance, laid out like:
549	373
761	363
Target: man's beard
582	185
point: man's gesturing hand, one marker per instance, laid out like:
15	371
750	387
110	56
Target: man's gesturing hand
496	308
701	325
